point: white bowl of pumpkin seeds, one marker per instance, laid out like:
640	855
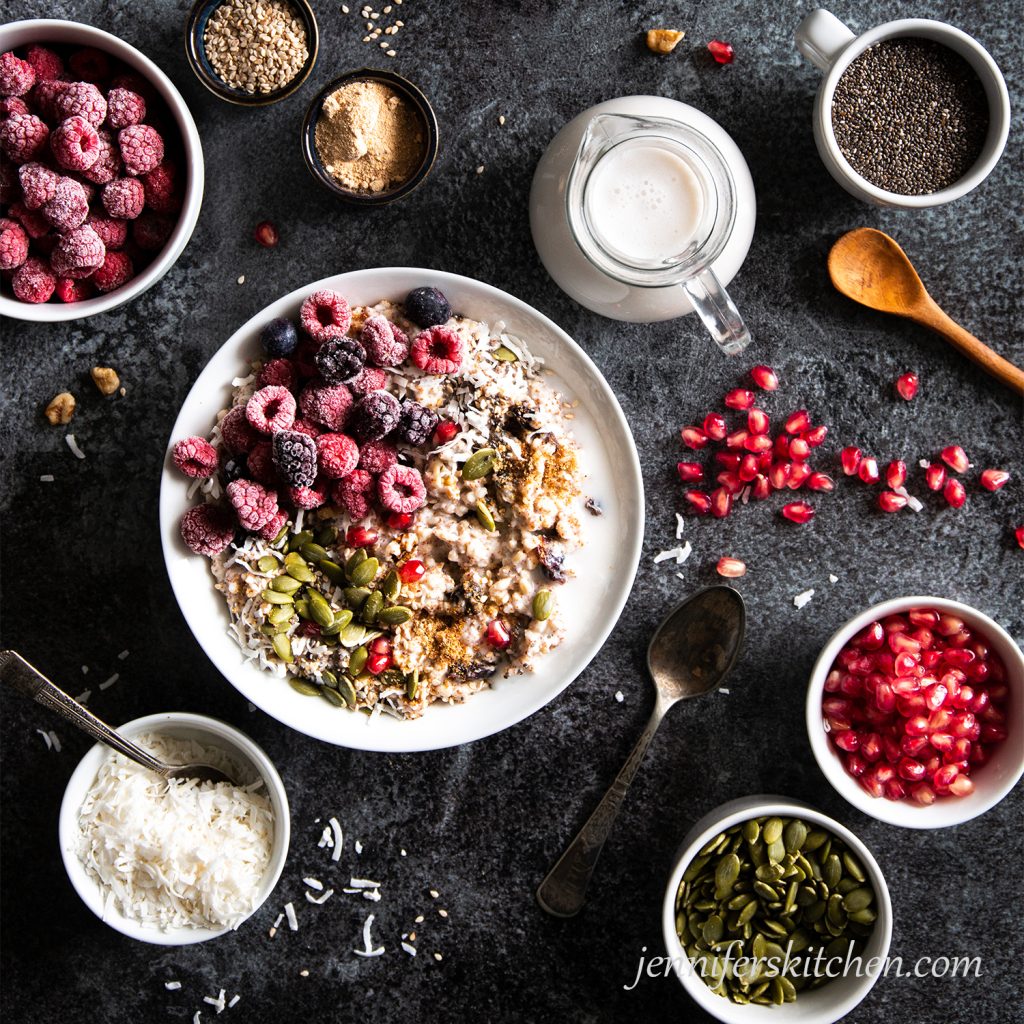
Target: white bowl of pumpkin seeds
763	876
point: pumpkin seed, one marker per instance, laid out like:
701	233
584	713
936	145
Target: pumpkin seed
543	605
352	635
814	839
751	829
372	607
713	929
304	686
280	613
390	586
302	608
395	615
505	355
356	597
832	871
865	916
479	464
412	689
356	660
772	830
357	556
857	899
341	619
300	571
776	851
484	516
794	836
713	844
320	608
312	551
329	678
364	572
726	873
332	571
298	539
268	563
283	647
285	584
347	691
282	534
276	597
326	535
853	866
332	697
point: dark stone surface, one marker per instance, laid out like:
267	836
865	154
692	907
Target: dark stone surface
83	576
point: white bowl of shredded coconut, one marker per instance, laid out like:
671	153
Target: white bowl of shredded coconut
176	863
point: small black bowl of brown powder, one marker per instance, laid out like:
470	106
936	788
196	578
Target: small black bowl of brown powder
370	136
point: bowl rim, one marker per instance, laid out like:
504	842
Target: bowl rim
412	92
195	50
88	888
724	816
903	813
59	312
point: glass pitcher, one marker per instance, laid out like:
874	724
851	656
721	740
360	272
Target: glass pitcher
691	251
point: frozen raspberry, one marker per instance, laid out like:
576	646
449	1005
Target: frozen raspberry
195	456
309	497
307	428
17	76
295	456
207	529
13	105
427	307
278	371
69	290
326	404
89	63
68	207
254	505
151	230
271	409
340	360
162	195
279	338
23	137
376	456
371	379
43	98
374	416
260	465
124	108
238	436
113	232
417	424
108	164
274	527
338	453
385	342
437	350
78	253
354	493
45	63
13	245
33	221
136	84
401	489
75	144
142	149
38	183
116	270
325	315
33	281
81	99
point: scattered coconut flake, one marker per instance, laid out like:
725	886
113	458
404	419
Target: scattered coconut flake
680	554
680	526
912	503
325	838
217	1002
46	478
359	847
85	670
280	918
55	740
83	697
339	839
364	883
801	599
293	921
725	690
122	655
46	738
172	986
235	999
196	1018
833	578
313	883
368	949
321	899
252	707
411	950
924	463
107	683
73	445
419	919
373	895
619	697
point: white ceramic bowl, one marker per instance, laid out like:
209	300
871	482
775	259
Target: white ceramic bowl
604	568
992	781
212	733
45	30
819	1006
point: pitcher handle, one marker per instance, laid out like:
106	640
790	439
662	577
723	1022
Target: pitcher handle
719	313
820	37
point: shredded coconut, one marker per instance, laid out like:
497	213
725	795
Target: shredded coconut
368	949
313	883
833	578
293	921
46	478
680	526
339	839
73	445
680	554
801	599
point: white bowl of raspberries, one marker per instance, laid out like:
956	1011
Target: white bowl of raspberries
102	172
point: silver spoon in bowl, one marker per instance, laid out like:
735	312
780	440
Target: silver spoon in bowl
16	671
690	654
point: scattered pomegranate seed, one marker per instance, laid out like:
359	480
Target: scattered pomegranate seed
757	421
739	398
690	472
954	492
715	426
764	377
994	479
821	482
737	439
380	645
782	446
694	437
498	635
377	663
700	501
799	449
935	477
758	443
411	571
850	459
722	52
266	234
890	501
815	436
955	457
798	475
896	473
721	503
1019	534
730	481
797	422
798	512
360	537
779	473
400	520
731	568
749	468
868	470
445	431
906	385
762	489
729	460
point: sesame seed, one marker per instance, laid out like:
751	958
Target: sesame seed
391	53
480	169
443	913
501	119
437	956
344	9
241	279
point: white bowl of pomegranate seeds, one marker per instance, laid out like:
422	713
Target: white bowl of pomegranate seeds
915	712
69	249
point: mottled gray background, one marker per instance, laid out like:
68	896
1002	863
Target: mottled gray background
83	576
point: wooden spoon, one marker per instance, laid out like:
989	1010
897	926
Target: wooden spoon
869	267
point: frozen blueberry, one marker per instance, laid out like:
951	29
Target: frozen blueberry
279	338
427	307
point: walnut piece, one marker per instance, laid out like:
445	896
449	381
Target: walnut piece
105	379
61	409
663	40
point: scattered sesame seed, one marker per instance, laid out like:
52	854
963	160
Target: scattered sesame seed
619	697
303	973
403	853
480	169
501	119
366	39
390	53
383	45
437	956
434	894
344	9
387	10
241	279
419	919
443	913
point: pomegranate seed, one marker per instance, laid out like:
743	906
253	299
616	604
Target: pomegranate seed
896	473
954	492
699	501
935	477
380	645
955	457
890	501
739	398
870	638
798	512
498	635
961	786
757	421
797	422
821	482
904	664
715	427
960	658
761	488
749	469
779	473
764	460
799	449
690	472
722	52
445	431
871	784
400	520
728	460
906	385
731	568
266	234
721	503
847	740
868	470
737	439
815	436
994	479
850	459
377	663
1019	534
360	537
730	481
694	437
764	377
945	775
923	616
856	765
909	769
782	446
411	571
758	443
798	475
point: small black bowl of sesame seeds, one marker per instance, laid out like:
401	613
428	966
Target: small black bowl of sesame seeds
252	52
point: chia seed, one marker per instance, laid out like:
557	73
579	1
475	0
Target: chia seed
910	115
